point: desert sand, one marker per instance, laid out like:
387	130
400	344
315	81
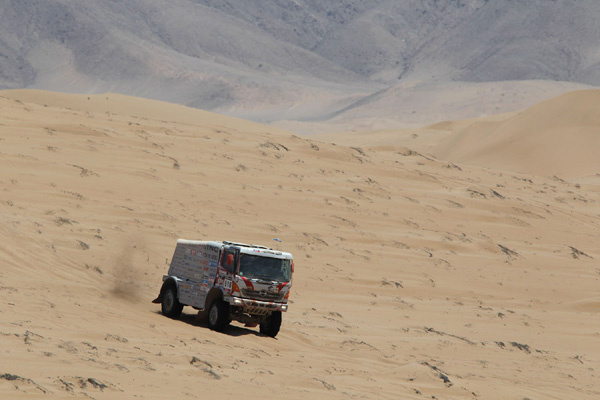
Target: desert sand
557	137
422	272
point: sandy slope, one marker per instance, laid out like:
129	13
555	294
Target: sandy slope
557	137
416	278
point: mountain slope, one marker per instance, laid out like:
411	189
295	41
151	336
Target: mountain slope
523	39
470	40
297	60
178	51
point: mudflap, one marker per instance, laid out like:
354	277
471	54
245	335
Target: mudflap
202	315
158	300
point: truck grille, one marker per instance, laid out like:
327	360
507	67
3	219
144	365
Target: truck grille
257	311
262	295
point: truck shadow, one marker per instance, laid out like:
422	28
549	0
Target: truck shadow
232	330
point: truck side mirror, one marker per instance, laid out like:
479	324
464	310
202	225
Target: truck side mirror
229	259
292	267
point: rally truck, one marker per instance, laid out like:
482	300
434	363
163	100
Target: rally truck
227	281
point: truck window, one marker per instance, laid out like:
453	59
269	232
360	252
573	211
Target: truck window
229	261
272	269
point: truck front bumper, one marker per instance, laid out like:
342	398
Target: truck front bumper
256	306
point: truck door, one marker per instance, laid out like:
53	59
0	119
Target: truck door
230	259
229	262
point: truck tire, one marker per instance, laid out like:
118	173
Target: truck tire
271	325
218	315
170	305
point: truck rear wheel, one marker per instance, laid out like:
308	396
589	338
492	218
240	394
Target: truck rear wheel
271	325
218	315
170	305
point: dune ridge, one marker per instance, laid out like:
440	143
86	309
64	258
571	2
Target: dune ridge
416	277
556	137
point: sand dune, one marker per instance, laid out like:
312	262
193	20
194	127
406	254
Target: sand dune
558	137
415	277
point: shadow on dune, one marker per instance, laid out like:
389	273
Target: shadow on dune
232	330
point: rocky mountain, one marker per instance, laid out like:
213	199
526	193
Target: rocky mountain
291	59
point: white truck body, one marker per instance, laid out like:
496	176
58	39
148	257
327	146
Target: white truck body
248	283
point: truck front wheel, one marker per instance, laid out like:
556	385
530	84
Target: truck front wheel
170	305
271	325
218	315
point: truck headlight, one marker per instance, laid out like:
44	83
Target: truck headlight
237	302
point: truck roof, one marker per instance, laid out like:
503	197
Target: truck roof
244	248
246	245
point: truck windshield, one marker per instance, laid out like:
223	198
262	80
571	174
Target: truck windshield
272	269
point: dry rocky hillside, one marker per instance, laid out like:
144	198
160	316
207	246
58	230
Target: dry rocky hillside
416	277
307	60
